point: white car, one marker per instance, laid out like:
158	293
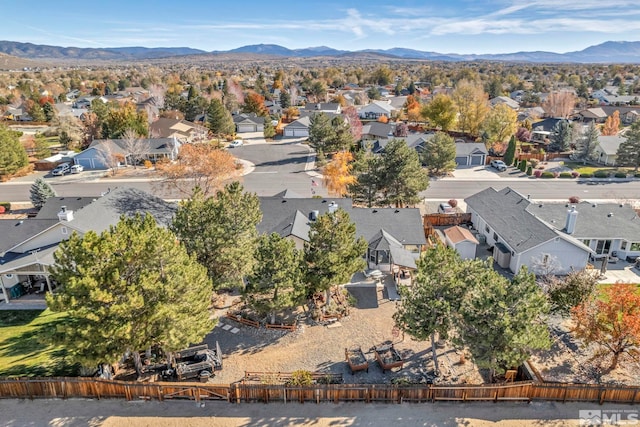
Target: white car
499	164
236	143
77	168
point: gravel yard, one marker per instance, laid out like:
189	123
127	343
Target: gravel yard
320	348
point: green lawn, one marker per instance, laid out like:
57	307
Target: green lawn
579	167
22	353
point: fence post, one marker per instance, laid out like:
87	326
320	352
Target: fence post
160	394
602	393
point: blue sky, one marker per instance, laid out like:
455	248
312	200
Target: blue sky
452	26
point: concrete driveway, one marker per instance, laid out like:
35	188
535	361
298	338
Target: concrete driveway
475	173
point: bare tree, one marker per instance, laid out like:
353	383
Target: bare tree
559	104
108	156
545	268
135	147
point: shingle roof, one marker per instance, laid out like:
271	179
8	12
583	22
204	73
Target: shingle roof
302	122
505	212
156	145
467	148
458	234
53	204
16	231
248	118
610	144
166	127
593	221
379	129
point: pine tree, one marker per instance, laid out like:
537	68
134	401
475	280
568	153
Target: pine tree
275	282
586	144
219	119
501	321
40	192
42	147
560	136
367	169
511	151
269	130
333	253
128	289
13	156
431	304
403	177
439	154
629	150
221	232
320	132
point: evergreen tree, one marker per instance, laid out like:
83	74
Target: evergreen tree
128	289
340	138
221	232
432	302
368	171
320	132
586	144
41	147
439	154
40	192
269	130
49	112
277	277
501	321
333	253
37	113
285	99
560	136
511	151
629	150
13	156
403	177
65	139
219	119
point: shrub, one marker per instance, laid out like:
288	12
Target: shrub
547	175
301	378
523	166
6	206
620	175
534	162
637	175
148	164
601	174
575	174
586	175
453	203
537	173
566	175
529	170
2	210
574	199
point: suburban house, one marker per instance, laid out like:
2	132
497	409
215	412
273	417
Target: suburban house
376	109
321	107
18	114
609	96
471	154
27	245
150	107
596	115
377	130
298	128
395	236
606	150
96	156
183	130
520	236
462	240
511	103
248	122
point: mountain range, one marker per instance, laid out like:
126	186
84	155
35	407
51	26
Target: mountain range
608	52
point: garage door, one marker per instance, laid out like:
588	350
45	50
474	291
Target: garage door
461	161
246	128
477	160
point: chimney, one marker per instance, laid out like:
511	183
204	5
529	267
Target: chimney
333	206
64	214
572	217
313	215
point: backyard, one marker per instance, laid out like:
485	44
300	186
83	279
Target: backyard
22	353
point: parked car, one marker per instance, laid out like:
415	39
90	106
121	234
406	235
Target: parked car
446	208
77	168
61	169
499	164
236	143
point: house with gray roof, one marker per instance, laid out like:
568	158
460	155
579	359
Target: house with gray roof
298	128
509	223
155	148
471	154
27	245
606	150
395	236
509	102
248	122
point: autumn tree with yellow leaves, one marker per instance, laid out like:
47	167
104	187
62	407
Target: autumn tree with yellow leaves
337	173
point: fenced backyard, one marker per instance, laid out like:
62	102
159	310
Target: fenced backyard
240	392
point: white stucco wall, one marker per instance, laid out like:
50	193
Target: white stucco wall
566	255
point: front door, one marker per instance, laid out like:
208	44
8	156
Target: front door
603	246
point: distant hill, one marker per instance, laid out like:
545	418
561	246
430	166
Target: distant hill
9	62
608	52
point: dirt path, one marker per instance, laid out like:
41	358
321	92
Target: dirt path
116	413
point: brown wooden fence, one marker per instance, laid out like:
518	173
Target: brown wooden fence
446	219
238	392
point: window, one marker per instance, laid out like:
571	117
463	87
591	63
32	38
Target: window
64	230
635	246
487	229
495	237
587	242
545	259
623	245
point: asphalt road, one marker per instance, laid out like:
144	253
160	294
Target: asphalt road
282	166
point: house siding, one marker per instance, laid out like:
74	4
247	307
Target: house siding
568	256
49	237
